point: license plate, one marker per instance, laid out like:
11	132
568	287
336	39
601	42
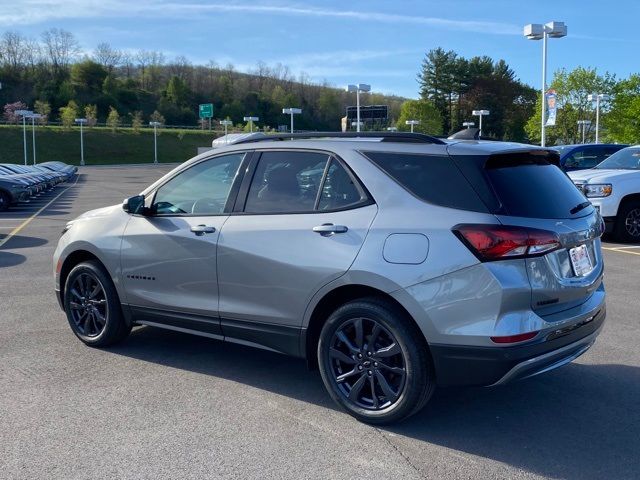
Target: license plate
580	260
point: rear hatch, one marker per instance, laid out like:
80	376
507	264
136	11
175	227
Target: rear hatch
527	189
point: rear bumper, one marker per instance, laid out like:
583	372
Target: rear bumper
488	366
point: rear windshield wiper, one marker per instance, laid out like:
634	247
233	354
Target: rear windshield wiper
579	207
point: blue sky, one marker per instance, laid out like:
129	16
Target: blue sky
376	42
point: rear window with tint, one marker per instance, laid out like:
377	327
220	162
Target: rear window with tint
434	179
534	188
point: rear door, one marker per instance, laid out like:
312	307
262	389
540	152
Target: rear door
300	222
536	194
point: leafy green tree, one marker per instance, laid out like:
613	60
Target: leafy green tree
136	121
623	121
91	114
423	111
88	76
156	116
69	114
572	89
44	109
113	119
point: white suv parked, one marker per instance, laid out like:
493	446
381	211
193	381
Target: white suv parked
613	187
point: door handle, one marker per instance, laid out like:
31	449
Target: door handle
327	229
202	229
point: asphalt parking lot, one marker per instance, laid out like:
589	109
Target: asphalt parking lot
169	405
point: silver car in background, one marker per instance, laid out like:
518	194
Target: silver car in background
392	262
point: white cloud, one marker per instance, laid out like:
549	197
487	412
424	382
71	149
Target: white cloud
40	11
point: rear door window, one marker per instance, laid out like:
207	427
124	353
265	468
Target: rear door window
432	178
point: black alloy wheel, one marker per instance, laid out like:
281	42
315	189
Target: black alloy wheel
375	362
367	364
89	309
92	306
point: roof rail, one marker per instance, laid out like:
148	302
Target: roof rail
400	137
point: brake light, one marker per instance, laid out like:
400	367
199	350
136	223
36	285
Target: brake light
514	338
500	242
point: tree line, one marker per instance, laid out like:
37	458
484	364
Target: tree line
52	76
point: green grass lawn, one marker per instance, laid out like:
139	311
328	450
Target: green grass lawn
101	146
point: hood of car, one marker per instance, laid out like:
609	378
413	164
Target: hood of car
595	175
100	212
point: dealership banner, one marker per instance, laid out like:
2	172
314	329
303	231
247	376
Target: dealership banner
550	101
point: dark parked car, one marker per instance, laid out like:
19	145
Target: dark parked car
581	157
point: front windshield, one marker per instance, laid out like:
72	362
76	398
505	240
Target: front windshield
625	159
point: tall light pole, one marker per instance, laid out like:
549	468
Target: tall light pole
597	97
226	124
468	124
537	31
360	87
33	118
251	120
155	126
81	122
292	111
24	114
583	124
412	123
480	114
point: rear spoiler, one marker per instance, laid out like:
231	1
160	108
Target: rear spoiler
513	158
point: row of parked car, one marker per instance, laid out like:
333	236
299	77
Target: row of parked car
18	183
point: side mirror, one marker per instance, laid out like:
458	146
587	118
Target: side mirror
134	204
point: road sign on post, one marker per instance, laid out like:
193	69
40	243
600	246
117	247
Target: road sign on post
206	110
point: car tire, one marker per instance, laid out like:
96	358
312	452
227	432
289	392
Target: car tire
5	201
378	383
92	306
627	228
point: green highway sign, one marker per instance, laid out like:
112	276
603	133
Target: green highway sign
206	110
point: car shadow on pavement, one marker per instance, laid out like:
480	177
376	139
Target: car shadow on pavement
11	259
578	422
19	241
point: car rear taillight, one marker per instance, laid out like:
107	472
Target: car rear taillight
501	242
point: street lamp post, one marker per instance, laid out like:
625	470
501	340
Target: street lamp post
226	124
597	97
24	114
360	87
33	118
155	126
251	120
292	111
583	124
480	114
468	124
537	31
412	123
81	122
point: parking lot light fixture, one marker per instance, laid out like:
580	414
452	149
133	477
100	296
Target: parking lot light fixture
392	129
597	97
412	123
468	124
81	122
33	118
537	31
226	124
360	87
583	124
24	114
480	114
155	126
251	120
292	111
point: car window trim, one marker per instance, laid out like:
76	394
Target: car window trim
233	191
243	195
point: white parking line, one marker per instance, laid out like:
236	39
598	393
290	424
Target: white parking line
17	230
620	250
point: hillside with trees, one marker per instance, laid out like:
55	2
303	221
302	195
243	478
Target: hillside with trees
53	77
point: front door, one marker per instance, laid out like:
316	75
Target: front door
169	256
303	223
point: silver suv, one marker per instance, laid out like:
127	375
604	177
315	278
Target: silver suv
392	262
